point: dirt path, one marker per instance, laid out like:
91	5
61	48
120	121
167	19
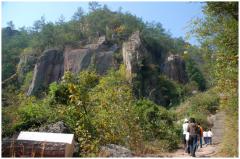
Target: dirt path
209	150
205	151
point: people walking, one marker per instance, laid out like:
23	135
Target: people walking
187	149
185	127
193	138
209	134
200	134
205	137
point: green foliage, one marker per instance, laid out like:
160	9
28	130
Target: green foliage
32	114
13	43
172	92
157	123
114	118
195	74
218	32
59	93
199	106
27	81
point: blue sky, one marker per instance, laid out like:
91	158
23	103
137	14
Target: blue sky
174	16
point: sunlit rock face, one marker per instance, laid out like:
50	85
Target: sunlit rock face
98	55
133	54
49	68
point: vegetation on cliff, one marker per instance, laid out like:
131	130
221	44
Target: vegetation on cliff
105	109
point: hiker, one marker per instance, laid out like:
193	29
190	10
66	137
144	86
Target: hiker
185	126
200	134
187	149
192	129
205	137
209	134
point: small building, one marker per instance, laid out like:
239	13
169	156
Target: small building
39	144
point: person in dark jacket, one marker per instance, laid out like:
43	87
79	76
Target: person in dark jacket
193	136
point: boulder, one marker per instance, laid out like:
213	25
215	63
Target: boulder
49	68
174	67
58	127
112	150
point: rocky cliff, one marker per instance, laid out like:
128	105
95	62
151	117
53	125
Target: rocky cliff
133	55
49	68
174	68
142	67
75	58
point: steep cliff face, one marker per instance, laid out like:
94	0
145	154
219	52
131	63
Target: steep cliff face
144	70
98	55
142	67
141	70
174	68
53	63
133	54
49	68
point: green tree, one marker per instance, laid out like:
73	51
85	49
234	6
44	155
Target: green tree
93	6
78	14
218	33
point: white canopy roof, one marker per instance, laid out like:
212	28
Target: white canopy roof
46	137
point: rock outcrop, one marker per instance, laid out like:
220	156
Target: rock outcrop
174	68
143	67
133	54
112	150
75	58
98	55
49	68
58	127
25	65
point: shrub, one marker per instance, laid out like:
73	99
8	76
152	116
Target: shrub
32	114
114	118
158	123
171	91
199	106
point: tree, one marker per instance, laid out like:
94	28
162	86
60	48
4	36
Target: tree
218	33
93	6
38	25
78	14
61	20
11	25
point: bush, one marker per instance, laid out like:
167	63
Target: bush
59	93
32	114
158	123
114	118
171	91
199	106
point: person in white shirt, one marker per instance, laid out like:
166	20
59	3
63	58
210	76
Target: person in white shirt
185	126
205	137
210	135
187	149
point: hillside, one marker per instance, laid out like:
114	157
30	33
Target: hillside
113	80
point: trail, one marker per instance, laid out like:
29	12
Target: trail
205	151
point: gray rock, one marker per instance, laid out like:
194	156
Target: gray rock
112	150
133	54
174	68
58	127
48	69
99	55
